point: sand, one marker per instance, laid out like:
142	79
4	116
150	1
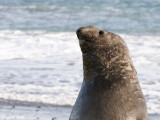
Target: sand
23	112
34	113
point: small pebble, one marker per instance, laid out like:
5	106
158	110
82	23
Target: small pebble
54	118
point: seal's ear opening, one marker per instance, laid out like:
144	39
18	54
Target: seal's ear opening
101	32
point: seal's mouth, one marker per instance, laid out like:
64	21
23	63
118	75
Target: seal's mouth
81	41
84	40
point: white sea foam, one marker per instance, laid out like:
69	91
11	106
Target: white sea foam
17	44
112	9
39	66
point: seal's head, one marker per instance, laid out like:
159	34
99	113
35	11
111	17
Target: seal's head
93	39
100	49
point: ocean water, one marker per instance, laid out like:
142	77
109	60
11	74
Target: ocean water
40	58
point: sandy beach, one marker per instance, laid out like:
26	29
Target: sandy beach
42	113
34	113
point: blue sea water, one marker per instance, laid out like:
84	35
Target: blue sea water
40	58
122	16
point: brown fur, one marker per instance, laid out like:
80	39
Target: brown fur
110	89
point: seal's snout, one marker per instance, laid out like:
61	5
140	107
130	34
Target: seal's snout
78	31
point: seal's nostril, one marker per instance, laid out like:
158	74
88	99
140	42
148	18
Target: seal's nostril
78	31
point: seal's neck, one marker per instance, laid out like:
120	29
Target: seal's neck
92	65
101	64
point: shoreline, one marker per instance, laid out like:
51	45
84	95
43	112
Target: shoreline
18	112
23	112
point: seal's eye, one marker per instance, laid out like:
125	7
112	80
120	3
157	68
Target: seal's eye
101	32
